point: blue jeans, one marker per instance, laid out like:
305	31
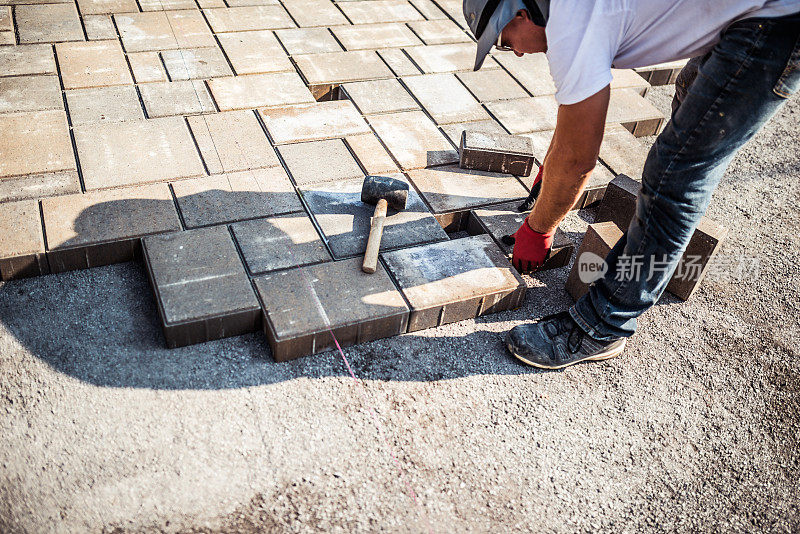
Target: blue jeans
740	84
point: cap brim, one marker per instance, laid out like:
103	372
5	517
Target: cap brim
505	12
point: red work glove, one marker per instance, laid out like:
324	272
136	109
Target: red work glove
530	248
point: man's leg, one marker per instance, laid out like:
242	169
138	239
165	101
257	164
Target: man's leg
739	86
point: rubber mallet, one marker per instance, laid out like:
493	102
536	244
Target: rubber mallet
383	192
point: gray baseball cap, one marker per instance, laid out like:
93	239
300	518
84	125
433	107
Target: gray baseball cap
487	18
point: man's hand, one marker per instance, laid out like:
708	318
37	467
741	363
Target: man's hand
530	248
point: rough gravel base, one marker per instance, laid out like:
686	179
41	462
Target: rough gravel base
694	427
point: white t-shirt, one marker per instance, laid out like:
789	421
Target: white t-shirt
586	38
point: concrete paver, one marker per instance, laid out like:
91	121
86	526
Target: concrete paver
619	201
165	99
532	71
491	85
195	63
103	227
32	186
254	52
22	252
147	67
379	96
398	61
455	280
280	242
92	64
101	7
302	307
312	122
201	287
99	27
440	31
526	114
634	112
413	139
164	5
628	79
48	23
308	41
598	241
30	93
134	152
320	161
370	36
27	59
622	152
373	11
235	196
507	154
34	143
445	98
259	90
163	30
339	67
428	9
312	13
452	57
239	19
371	154
104	104
456	130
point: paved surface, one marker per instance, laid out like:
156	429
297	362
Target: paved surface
695	427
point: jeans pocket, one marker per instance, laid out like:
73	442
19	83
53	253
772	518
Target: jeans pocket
789	81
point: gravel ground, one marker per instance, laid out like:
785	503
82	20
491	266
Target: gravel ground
695	427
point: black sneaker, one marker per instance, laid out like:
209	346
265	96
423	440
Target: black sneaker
556	341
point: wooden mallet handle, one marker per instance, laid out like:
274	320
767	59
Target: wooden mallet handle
375	235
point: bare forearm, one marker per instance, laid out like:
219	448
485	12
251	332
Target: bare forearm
562	184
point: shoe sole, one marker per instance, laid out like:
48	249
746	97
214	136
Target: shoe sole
600	357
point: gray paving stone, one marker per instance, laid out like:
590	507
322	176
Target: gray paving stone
525	115
22	252
413	139
99	27
598	241
451	57
379	96
428	9
440	31
370	153
259	90
312	122
305	308
445	98
35	143
163	30
48	23
102	227
27	59
455	130
241	3
104	104
634	112
100	7
340	67
345	220
147	67
254	52
39	185
503	220
454	10
195	63
310	13
6	19
320	161
134	152
232	141
455	280
30	93
239	19
450	188
164	5
165	99
399	62
370	36
492	85
622	152
92	64
541	143
374	11
308	41
503	153
279	243
201	288
235	196
532	71
8	38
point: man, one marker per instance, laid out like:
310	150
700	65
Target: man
748	64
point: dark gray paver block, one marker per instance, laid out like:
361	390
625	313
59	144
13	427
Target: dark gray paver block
21	241
305	308
455	280
692	268
506	154
503	220
619	202
345	220
598	241
279	242
104	227
201	288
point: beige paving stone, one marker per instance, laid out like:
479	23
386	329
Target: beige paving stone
308	40
320	161
445	98
99	27
532	71
413	139
8	38
232	141
454	131
6	21
379	96
166	5
30	93
163	30
22	250
35	143
635	112
372	11
32	186
454	9
311	13
259	90
439	32
525	115
629	79
125	153
451	57
104	104
48	23
492	85
254	52
208	4
195	63
372	36
92	64
623	152
165	99
236	196
371	154
428	9
147	67
238	19
18	2
243	3
27	59
451	188
312	122
338	67
102	7
399	62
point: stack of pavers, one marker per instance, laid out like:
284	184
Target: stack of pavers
225	144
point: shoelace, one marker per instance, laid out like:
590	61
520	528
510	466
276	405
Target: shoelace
574	337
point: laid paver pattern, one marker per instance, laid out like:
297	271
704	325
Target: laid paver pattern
241	131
